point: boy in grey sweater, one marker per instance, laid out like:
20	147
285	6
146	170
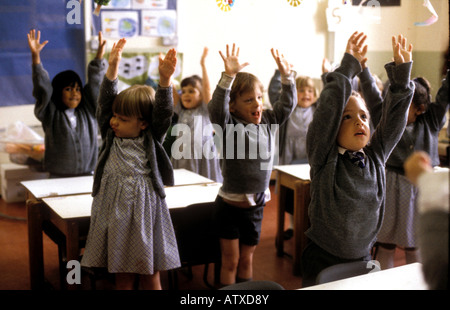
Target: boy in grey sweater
238	110
347	190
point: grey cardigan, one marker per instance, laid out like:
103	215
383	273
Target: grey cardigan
347	202
161	168
68	151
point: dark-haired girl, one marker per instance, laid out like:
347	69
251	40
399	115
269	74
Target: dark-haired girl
66	110
195	152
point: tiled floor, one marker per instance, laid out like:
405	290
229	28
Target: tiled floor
14	264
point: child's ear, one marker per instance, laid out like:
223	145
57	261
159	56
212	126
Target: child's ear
421	109
232	107
144	125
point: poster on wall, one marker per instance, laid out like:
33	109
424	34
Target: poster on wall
158	23
130	18
120	24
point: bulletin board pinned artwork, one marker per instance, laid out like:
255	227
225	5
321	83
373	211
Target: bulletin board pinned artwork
132	18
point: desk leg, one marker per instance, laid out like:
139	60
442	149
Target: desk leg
301	203
72	248
35	245
279	240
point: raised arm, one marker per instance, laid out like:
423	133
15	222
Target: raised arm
163	107
108	88
206	86
287	100
323	130
114	59
101	46
95	73
398	99
437	110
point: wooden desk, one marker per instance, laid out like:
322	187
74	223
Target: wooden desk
295	177
70	214
407	277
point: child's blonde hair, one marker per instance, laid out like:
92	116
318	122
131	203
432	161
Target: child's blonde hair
306	81
244	82
136	101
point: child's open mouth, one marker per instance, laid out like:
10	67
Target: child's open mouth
256	114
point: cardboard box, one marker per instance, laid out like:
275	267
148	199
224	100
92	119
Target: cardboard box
11	176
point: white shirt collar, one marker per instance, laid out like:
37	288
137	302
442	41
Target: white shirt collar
342	150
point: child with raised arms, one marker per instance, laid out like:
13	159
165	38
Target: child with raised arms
237	107
66	110
348	181
131	231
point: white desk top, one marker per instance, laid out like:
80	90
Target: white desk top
298	171
407	277
83	185
76	206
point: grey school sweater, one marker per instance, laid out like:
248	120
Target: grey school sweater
161	168
68	151
247	166
347	202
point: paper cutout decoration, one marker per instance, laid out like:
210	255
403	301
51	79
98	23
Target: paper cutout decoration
432	19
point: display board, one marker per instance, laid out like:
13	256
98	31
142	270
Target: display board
133	18
65	50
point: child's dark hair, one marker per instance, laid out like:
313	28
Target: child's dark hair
422	94
135	101
244	82
61	81
194	81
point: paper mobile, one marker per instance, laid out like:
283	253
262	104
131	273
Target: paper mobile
432	19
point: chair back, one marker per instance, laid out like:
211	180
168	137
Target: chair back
346	270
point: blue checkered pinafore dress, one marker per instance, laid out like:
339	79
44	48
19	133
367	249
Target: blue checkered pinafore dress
131	229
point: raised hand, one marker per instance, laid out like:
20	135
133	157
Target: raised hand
101	46
114	59
283	65
203	59
326	65
231	61
402	53
416	164
35	45
356	47
167	67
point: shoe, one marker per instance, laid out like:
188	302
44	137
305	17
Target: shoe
288	233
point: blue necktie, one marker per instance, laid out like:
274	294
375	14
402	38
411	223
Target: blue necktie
259	198
356	158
